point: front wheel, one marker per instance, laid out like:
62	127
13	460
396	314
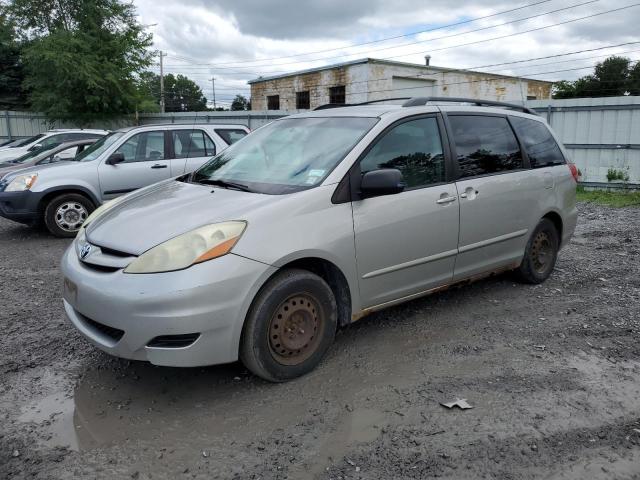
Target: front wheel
65	214
290	326
541	253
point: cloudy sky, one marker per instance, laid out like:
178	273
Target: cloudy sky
238	40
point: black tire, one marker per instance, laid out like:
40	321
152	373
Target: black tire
541	253
297	300
81	206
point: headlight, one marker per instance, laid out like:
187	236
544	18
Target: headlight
22	183
199	245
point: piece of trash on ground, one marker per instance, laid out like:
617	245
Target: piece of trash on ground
461	403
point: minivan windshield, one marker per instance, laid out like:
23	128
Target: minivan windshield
95	150
286	155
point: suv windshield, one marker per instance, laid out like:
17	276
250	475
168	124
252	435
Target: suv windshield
287	155
95	150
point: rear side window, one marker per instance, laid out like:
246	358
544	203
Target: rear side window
192	144
540	145
414	148
231	135
484	145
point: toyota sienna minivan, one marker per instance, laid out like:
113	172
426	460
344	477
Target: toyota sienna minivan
312	222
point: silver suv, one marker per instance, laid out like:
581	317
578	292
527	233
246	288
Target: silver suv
63	194
314	221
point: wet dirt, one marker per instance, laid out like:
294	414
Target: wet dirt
552	371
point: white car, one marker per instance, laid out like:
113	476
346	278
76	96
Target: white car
16	149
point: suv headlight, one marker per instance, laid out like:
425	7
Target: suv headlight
22	183
199	245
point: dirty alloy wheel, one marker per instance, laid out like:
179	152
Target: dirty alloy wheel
541	253
65	214
291	324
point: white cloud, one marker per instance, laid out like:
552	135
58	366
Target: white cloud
237	41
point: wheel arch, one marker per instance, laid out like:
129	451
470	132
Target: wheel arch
556	219
51	193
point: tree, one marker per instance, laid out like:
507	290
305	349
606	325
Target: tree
181	94
12	96
82	57
612	77
240	103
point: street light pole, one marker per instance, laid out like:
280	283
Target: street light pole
162	55
213	84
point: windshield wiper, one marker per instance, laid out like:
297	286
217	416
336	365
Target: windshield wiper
224	184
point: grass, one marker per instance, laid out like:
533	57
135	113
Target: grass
611	199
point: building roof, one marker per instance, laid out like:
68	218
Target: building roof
387	62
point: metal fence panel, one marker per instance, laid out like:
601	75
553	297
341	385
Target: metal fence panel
600	133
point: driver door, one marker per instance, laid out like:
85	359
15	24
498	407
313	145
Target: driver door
145	162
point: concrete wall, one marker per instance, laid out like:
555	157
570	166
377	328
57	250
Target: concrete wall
375	81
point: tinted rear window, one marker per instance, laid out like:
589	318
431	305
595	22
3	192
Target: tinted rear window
484	145
540	145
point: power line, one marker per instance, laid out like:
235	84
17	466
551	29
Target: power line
442	27
437	38
452	46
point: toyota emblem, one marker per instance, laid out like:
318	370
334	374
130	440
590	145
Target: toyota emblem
85	251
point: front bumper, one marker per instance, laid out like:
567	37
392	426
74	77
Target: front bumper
20	207
211	299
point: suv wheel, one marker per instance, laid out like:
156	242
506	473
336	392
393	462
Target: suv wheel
65	214
541	253
290	326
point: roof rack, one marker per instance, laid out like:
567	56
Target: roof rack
370	102
419	101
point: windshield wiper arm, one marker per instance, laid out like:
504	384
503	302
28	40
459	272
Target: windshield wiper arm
224	184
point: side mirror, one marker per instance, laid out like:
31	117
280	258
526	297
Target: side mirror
35	147
386	181
115	158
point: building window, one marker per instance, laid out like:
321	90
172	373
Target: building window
273	102
336	94
531	97
302	100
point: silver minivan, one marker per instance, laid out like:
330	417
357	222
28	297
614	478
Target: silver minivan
63	194
312	222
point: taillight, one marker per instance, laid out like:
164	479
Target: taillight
574	171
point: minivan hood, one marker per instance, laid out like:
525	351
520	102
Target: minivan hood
153	215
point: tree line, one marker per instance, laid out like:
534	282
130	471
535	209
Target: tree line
84	60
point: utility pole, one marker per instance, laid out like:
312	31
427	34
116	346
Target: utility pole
162	55
213	84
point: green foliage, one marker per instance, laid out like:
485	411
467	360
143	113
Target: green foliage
612	199
181	93
615	174
82	57
240	102
12	96
613	77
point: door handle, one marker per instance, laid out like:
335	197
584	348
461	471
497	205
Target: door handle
445	200
157	165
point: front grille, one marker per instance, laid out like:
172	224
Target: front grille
113	333
173	341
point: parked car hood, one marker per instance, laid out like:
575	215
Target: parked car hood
11	153
15	169
152	215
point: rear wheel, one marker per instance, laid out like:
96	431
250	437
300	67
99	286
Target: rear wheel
65	214
290	326
541	253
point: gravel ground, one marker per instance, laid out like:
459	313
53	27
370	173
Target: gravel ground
552	372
